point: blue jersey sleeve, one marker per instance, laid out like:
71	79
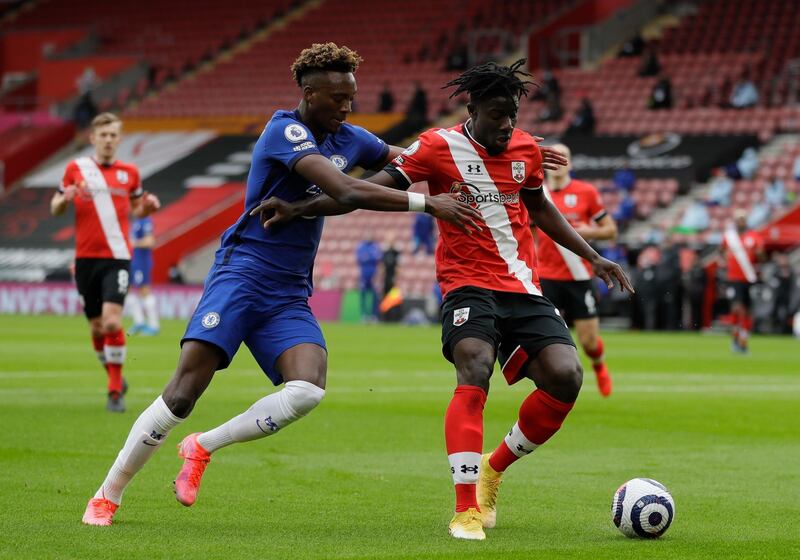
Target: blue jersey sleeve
372	150
287	140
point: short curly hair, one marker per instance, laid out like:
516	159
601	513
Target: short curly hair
324	57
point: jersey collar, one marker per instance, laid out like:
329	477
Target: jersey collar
468	134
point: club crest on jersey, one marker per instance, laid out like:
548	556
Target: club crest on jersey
122	176
571	200
412	149
295	133
518	171
460	316
210	320
339	161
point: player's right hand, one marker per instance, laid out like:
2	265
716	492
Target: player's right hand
274	211
447	207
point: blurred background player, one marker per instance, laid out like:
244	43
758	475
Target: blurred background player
142	301
744	249
257	290
368	257
104	191
566	278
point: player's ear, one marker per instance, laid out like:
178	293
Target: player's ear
471	108
308	93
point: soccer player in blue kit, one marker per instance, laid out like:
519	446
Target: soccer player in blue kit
143	303
258	287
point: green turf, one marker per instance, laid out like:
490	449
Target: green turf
365	475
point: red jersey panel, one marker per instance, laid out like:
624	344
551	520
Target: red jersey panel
502	256
102	207
580	204
741	254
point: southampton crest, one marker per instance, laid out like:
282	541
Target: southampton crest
518	171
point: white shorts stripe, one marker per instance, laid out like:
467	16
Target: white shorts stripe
494	214
104	205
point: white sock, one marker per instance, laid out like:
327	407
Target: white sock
151	310
135	304
266	416
146	436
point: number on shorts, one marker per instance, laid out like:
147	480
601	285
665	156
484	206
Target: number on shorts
122	281
591	305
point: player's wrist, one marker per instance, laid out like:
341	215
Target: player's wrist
417	202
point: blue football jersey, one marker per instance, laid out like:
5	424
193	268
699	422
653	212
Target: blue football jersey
283	256
142	227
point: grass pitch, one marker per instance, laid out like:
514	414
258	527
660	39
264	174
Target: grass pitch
365	475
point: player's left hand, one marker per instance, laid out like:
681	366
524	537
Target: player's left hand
150	203
608	271
274	211
551	159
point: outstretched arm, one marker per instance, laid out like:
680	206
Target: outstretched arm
345	193
550	221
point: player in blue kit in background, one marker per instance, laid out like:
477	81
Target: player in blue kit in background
258	287
142	302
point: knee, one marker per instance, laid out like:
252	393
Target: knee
112	325
566	382
475	368
302	396
588	341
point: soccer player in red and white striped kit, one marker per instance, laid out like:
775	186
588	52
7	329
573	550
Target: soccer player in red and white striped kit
104	191
493	308
565	277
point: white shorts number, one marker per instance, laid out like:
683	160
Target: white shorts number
588	300
122	281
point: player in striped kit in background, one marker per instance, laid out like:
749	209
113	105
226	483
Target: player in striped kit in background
743	250
104	191
567	279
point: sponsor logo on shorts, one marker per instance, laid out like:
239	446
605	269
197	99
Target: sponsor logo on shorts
210	320
295	133
460	316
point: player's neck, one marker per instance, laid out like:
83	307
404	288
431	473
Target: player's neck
305	118
558	183
104	160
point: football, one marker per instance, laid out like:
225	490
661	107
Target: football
643	508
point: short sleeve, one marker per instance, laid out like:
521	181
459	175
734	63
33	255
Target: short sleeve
287	140
597	210
416	163
70	176
136	188
372	151
535	176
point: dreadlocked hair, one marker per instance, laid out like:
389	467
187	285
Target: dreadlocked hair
324	57
489	79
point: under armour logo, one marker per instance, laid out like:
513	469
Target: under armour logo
473	469
473	168
268	423
522	449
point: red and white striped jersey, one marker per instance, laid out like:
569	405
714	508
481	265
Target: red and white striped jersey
102	207
502	256
580	203
741	252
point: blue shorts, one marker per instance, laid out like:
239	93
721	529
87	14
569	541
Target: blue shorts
236	308
141	268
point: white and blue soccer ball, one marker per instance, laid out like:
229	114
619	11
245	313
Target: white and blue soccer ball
643	508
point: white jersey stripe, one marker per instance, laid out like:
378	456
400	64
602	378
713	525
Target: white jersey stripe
740	254
104	205
494	214
574	262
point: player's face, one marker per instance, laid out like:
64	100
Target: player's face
105	140
329	97
493	122
561	172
